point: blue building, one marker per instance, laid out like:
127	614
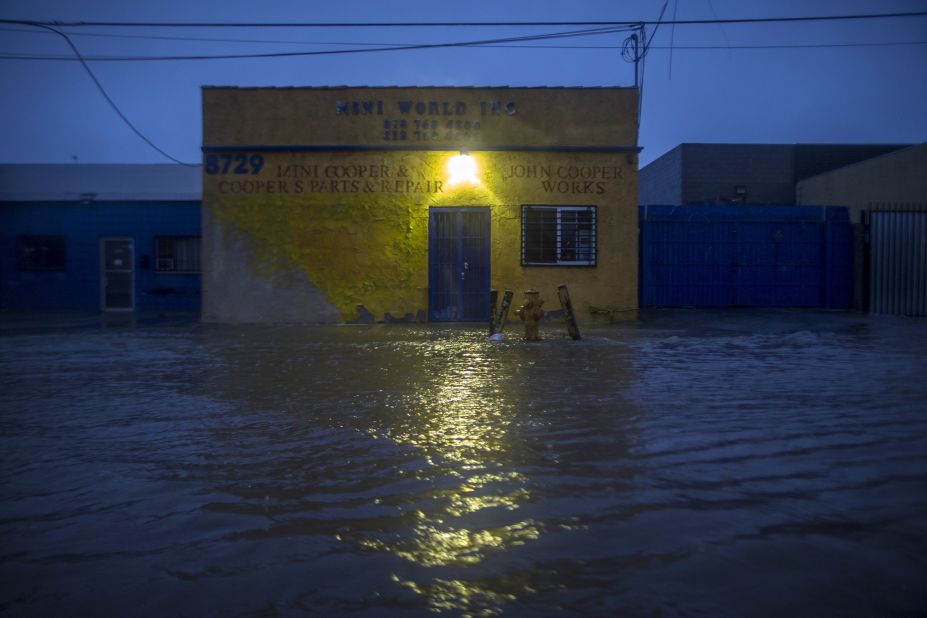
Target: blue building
99	238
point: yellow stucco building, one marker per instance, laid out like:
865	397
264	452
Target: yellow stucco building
347	204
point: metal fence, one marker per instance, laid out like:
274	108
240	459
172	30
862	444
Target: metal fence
898	263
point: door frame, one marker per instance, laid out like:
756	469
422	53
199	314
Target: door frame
486	255
130	270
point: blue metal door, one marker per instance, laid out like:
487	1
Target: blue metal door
458	264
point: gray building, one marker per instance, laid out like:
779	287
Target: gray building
761	174
893	182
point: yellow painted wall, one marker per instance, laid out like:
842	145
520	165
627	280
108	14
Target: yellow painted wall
356	223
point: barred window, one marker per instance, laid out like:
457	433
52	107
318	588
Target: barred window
177	254
41	253
558	235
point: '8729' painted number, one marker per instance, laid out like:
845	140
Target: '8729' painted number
240	163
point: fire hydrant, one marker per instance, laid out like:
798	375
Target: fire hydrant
531	313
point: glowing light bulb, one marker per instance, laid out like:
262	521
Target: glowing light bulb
462	169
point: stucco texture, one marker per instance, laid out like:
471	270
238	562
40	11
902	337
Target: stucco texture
355	226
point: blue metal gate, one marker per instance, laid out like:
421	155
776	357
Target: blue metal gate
458	264
755	256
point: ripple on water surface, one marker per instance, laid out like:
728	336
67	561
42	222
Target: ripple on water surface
738	467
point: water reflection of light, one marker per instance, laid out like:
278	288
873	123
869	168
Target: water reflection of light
464	501
459	417
437	545
455	594
458	414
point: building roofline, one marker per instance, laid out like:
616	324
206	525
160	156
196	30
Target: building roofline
826	144
868	161
683	145
100	182
396	87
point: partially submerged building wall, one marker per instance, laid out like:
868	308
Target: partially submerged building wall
319	205
92	237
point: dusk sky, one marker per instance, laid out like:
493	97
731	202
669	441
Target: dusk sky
817	82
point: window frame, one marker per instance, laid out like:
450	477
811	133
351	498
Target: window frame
593	241
158	256
26	265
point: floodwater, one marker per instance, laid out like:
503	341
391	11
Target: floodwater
729	463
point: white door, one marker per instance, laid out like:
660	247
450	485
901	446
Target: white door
117	274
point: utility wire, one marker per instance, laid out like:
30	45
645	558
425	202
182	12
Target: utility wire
142	136
107	97
720	27
656	27
608	30
376	47
367	50
154	37
672	38
27	56
642	58
50	57
385	43
445	24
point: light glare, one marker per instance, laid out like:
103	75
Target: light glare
462	169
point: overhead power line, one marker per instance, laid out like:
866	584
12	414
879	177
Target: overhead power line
81	59
475	24
108	98
727	45
51	57
155	37
367	50
591	28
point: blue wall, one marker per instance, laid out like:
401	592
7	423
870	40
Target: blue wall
83	225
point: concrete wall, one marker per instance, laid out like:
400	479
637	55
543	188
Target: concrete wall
710	173
814	159
660	181
895	181
329	209
713	171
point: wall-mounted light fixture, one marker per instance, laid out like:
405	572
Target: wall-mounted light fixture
462	169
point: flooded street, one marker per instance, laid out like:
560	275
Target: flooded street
727	463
